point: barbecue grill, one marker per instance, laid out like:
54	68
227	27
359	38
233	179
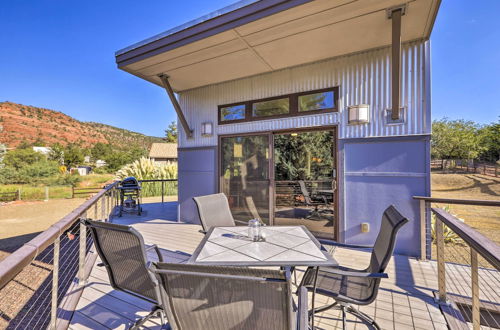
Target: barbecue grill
130	196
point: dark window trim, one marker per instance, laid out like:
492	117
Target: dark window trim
294	106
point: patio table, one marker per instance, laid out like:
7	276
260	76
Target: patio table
284	246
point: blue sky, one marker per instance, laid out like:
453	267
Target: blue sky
59	54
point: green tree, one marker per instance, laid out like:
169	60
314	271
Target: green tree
490	141
100	151
73	156
20	158
171	133
3	151
455	139
57	153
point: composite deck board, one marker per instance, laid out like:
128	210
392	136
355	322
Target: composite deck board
405	299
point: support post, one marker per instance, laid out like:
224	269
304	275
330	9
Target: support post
423	229
396	61
55	283
177	107
162	191
82	253
440	261
476	315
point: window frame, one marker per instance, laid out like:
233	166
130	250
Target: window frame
293	100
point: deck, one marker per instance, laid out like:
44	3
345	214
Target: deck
405	300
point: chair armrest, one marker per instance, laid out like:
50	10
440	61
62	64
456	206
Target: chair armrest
337	244
343	272
158	252
302	312
242	222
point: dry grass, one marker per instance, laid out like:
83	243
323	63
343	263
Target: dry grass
471	186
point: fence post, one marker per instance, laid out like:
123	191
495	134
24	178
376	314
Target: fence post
423	229
18	194
82	253
72	192
162	191
46	194
440	261
484	169
476	316
55	283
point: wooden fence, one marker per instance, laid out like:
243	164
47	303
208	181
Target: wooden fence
465	165
10	196
84	192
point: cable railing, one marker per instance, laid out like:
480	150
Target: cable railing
468	264
41	282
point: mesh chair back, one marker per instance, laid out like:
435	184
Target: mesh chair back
305	192
383	248
121	249
214	211
210	297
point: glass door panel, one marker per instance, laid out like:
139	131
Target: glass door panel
244	176
304	181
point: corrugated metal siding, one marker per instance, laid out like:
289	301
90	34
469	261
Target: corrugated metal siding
362	78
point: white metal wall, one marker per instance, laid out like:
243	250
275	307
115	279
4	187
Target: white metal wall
362	78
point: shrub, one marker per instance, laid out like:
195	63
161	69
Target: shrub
449	235
65	180
146	169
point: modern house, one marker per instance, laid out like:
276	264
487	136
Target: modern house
304	112
163	152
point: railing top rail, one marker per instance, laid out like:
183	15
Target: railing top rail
14	263
458	201
477	241
158	180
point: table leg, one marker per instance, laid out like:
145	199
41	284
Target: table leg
314	296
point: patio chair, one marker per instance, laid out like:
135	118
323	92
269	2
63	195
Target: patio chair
212	297
214	211
123	253
349	286
311	201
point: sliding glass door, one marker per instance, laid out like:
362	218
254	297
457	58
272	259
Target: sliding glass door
283	178
304	180
244	175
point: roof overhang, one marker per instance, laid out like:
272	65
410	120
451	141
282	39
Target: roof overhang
253	37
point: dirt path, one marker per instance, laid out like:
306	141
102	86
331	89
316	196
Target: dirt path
471	186
21	221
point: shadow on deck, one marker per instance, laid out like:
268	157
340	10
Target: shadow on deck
405	300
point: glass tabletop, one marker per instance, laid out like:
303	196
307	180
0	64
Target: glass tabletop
282	246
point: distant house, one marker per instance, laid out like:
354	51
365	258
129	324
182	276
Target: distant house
163	152
42	150
100	163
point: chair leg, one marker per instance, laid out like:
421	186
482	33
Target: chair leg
343	317
359	314
154	311
347	308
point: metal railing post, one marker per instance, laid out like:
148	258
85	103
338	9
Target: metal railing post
476	316
55	284
440	261
82	252
423	229
162	191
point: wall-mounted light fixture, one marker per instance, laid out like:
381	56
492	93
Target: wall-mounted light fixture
358	114
207	129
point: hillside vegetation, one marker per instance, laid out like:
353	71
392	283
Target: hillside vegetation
33	125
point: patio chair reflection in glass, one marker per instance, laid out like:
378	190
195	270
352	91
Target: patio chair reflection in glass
349	286
203	297
123	253
313	201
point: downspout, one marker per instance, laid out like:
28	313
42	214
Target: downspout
177	107
395	14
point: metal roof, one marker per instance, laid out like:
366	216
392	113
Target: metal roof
163	150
